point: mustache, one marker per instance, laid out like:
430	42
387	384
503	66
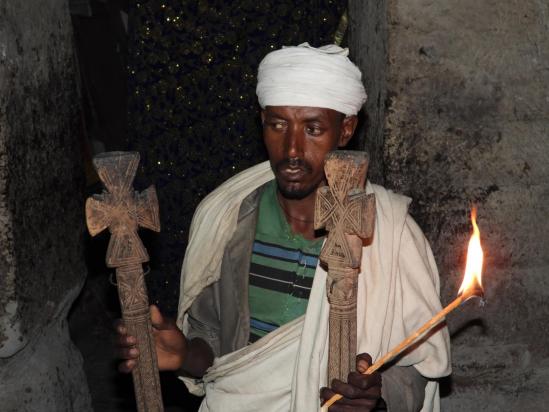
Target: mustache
293	163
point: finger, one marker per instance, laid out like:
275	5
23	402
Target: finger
353	392
348	405
363	362
119	327
353	406
157	319
128	353
364	381
345	404
341	404
127	366
348	391
125	341
326	393
373	393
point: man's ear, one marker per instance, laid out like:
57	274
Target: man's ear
348	126
262	116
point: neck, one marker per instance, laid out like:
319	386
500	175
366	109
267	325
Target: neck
299	214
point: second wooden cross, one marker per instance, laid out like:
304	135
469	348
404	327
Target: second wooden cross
345	210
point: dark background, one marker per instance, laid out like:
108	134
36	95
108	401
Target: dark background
193	112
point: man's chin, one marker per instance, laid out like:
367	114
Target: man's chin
293	191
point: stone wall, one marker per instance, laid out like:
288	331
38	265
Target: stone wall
41	209
466	121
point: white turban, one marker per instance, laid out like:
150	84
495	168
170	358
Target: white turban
312	77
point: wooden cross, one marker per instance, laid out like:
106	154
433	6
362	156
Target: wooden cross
345	210
123	211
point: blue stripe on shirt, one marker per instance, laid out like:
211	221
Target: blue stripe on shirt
293	255
263	326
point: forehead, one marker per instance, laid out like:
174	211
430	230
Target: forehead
302	113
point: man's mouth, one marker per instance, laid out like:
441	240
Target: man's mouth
292	174
292	170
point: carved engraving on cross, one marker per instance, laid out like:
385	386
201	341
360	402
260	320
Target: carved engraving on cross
344	209
347	212
123	210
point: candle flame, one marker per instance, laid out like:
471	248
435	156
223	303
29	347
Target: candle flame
475	257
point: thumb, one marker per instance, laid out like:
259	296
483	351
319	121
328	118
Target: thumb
157	319
363	362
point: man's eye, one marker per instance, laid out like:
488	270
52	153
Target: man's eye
277	125
313	130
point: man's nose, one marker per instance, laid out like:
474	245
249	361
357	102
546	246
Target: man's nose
294	142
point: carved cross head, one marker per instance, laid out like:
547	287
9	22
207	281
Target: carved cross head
344	209
121	209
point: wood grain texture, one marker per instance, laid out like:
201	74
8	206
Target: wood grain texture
122	211
345	210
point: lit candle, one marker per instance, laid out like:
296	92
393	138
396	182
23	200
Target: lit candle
471	286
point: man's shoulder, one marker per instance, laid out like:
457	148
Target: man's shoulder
388	198
251	202
233	191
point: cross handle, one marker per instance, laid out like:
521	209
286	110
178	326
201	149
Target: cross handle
344	209
121	209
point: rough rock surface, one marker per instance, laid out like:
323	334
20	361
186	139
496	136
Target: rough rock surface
41	202
466	121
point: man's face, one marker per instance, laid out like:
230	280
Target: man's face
298	140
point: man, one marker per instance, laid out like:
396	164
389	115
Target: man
253	307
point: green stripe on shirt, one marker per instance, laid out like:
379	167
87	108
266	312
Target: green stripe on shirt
282	269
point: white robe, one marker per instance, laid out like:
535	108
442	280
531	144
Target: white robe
397	292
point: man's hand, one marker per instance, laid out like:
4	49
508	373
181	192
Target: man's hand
362	392
171	345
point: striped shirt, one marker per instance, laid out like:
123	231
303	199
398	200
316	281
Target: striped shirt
282	269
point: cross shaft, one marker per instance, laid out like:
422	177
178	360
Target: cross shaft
345	210
122	211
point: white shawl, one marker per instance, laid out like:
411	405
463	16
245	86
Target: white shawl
398	292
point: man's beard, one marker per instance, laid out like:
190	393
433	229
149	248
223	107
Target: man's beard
293	192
